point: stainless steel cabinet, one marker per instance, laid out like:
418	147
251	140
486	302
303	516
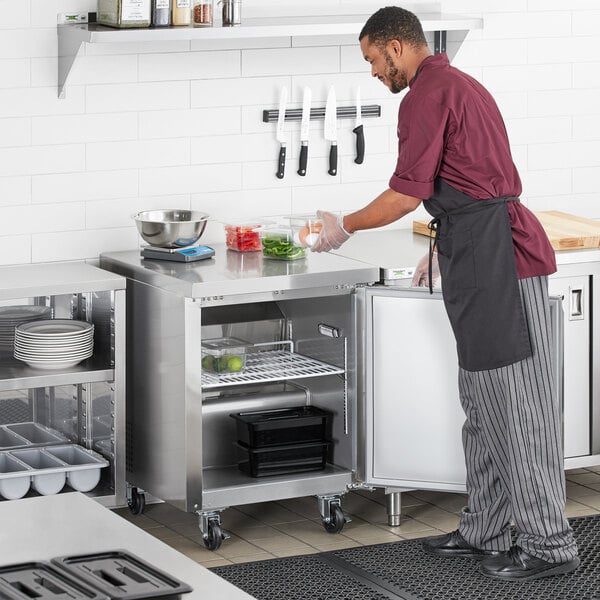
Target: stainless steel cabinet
84	404
577	283
411	422
181	438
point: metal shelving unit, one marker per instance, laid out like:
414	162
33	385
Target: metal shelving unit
86	402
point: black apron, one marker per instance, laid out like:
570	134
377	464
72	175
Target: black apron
479	277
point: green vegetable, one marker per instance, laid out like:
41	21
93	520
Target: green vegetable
282	247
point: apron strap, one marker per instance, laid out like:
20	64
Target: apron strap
433	226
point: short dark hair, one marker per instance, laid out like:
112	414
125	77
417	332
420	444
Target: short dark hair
393	23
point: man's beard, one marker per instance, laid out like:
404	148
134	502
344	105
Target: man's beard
398	80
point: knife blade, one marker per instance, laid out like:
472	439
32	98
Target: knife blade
358	130
281	133
304	131
331	130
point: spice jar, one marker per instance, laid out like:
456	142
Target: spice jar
161	13
182	13
202	13
232	12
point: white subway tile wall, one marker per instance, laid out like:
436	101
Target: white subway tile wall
179	124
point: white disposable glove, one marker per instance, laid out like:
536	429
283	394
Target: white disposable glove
421	276
332	235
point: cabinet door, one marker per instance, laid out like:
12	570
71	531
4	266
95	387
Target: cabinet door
412	436
575	295
413	417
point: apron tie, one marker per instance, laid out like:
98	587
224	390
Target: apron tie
433	226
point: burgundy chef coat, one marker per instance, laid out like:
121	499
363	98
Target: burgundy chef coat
450	126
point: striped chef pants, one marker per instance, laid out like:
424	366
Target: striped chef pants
513	447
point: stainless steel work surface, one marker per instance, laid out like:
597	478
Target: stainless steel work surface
25	281
232	273
395	251
41	528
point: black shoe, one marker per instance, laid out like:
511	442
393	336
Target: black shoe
517	565
454	544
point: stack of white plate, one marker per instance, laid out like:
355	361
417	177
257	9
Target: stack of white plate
11	316
54	343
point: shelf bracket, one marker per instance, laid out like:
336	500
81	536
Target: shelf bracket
68	48
316	114
439	42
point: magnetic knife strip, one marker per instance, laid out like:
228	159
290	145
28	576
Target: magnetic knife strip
342	112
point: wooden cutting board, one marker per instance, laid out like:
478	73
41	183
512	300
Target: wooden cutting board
565	231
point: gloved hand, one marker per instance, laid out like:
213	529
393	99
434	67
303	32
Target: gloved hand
421	276
332	235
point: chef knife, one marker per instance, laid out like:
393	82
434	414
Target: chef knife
304	131
280	132
331	130
358	130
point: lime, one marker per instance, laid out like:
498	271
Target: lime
221	363
208	362
235	363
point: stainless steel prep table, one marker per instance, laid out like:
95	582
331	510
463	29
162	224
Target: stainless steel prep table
297	320
242	276
45	527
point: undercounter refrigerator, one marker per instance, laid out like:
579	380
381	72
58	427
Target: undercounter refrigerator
251	379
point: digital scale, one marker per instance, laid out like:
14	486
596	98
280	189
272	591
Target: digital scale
187	254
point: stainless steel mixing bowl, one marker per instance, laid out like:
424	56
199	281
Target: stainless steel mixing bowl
171	228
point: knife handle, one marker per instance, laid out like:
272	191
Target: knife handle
333	159
360	144
281	162
303	159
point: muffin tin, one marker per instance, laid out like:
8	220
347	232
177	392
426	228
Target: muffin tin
47	469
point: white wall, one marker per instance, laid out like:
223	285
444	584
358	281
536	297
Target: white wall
180	125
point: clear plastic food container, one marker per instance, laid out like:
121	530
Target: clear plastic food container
224	355
305	229
279	244
243	236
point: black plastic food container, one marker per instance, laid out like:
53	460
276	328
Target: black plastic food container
282	460
260	429
119	575
42	581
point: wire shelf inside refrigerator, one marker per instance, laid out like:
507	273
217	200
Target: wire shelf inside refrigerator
273	365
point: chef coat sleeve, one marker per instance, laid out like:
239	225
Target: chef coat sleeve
422	127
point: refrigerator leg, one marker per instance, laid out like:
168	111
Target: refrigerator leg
393	505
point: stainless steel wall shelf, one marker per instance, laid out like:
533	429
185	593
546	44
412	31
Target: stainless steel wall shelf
72	36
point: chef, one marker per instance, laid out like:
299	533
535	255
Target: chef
494	259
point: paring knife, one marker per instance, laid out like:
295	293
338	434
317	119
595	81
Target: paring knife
280	132
331	130
358	130
304	131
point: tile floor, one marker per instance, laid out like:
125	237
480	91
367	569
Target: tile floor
293	527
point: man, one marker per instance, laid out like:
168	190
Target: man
494	259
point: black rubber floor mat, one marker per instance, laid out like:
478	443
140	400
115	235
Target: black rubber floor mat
299	578
401	570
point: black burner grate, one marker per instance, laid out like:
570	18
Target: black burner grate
401	570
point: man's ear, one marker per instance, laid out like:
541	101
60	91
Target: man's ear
395	48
